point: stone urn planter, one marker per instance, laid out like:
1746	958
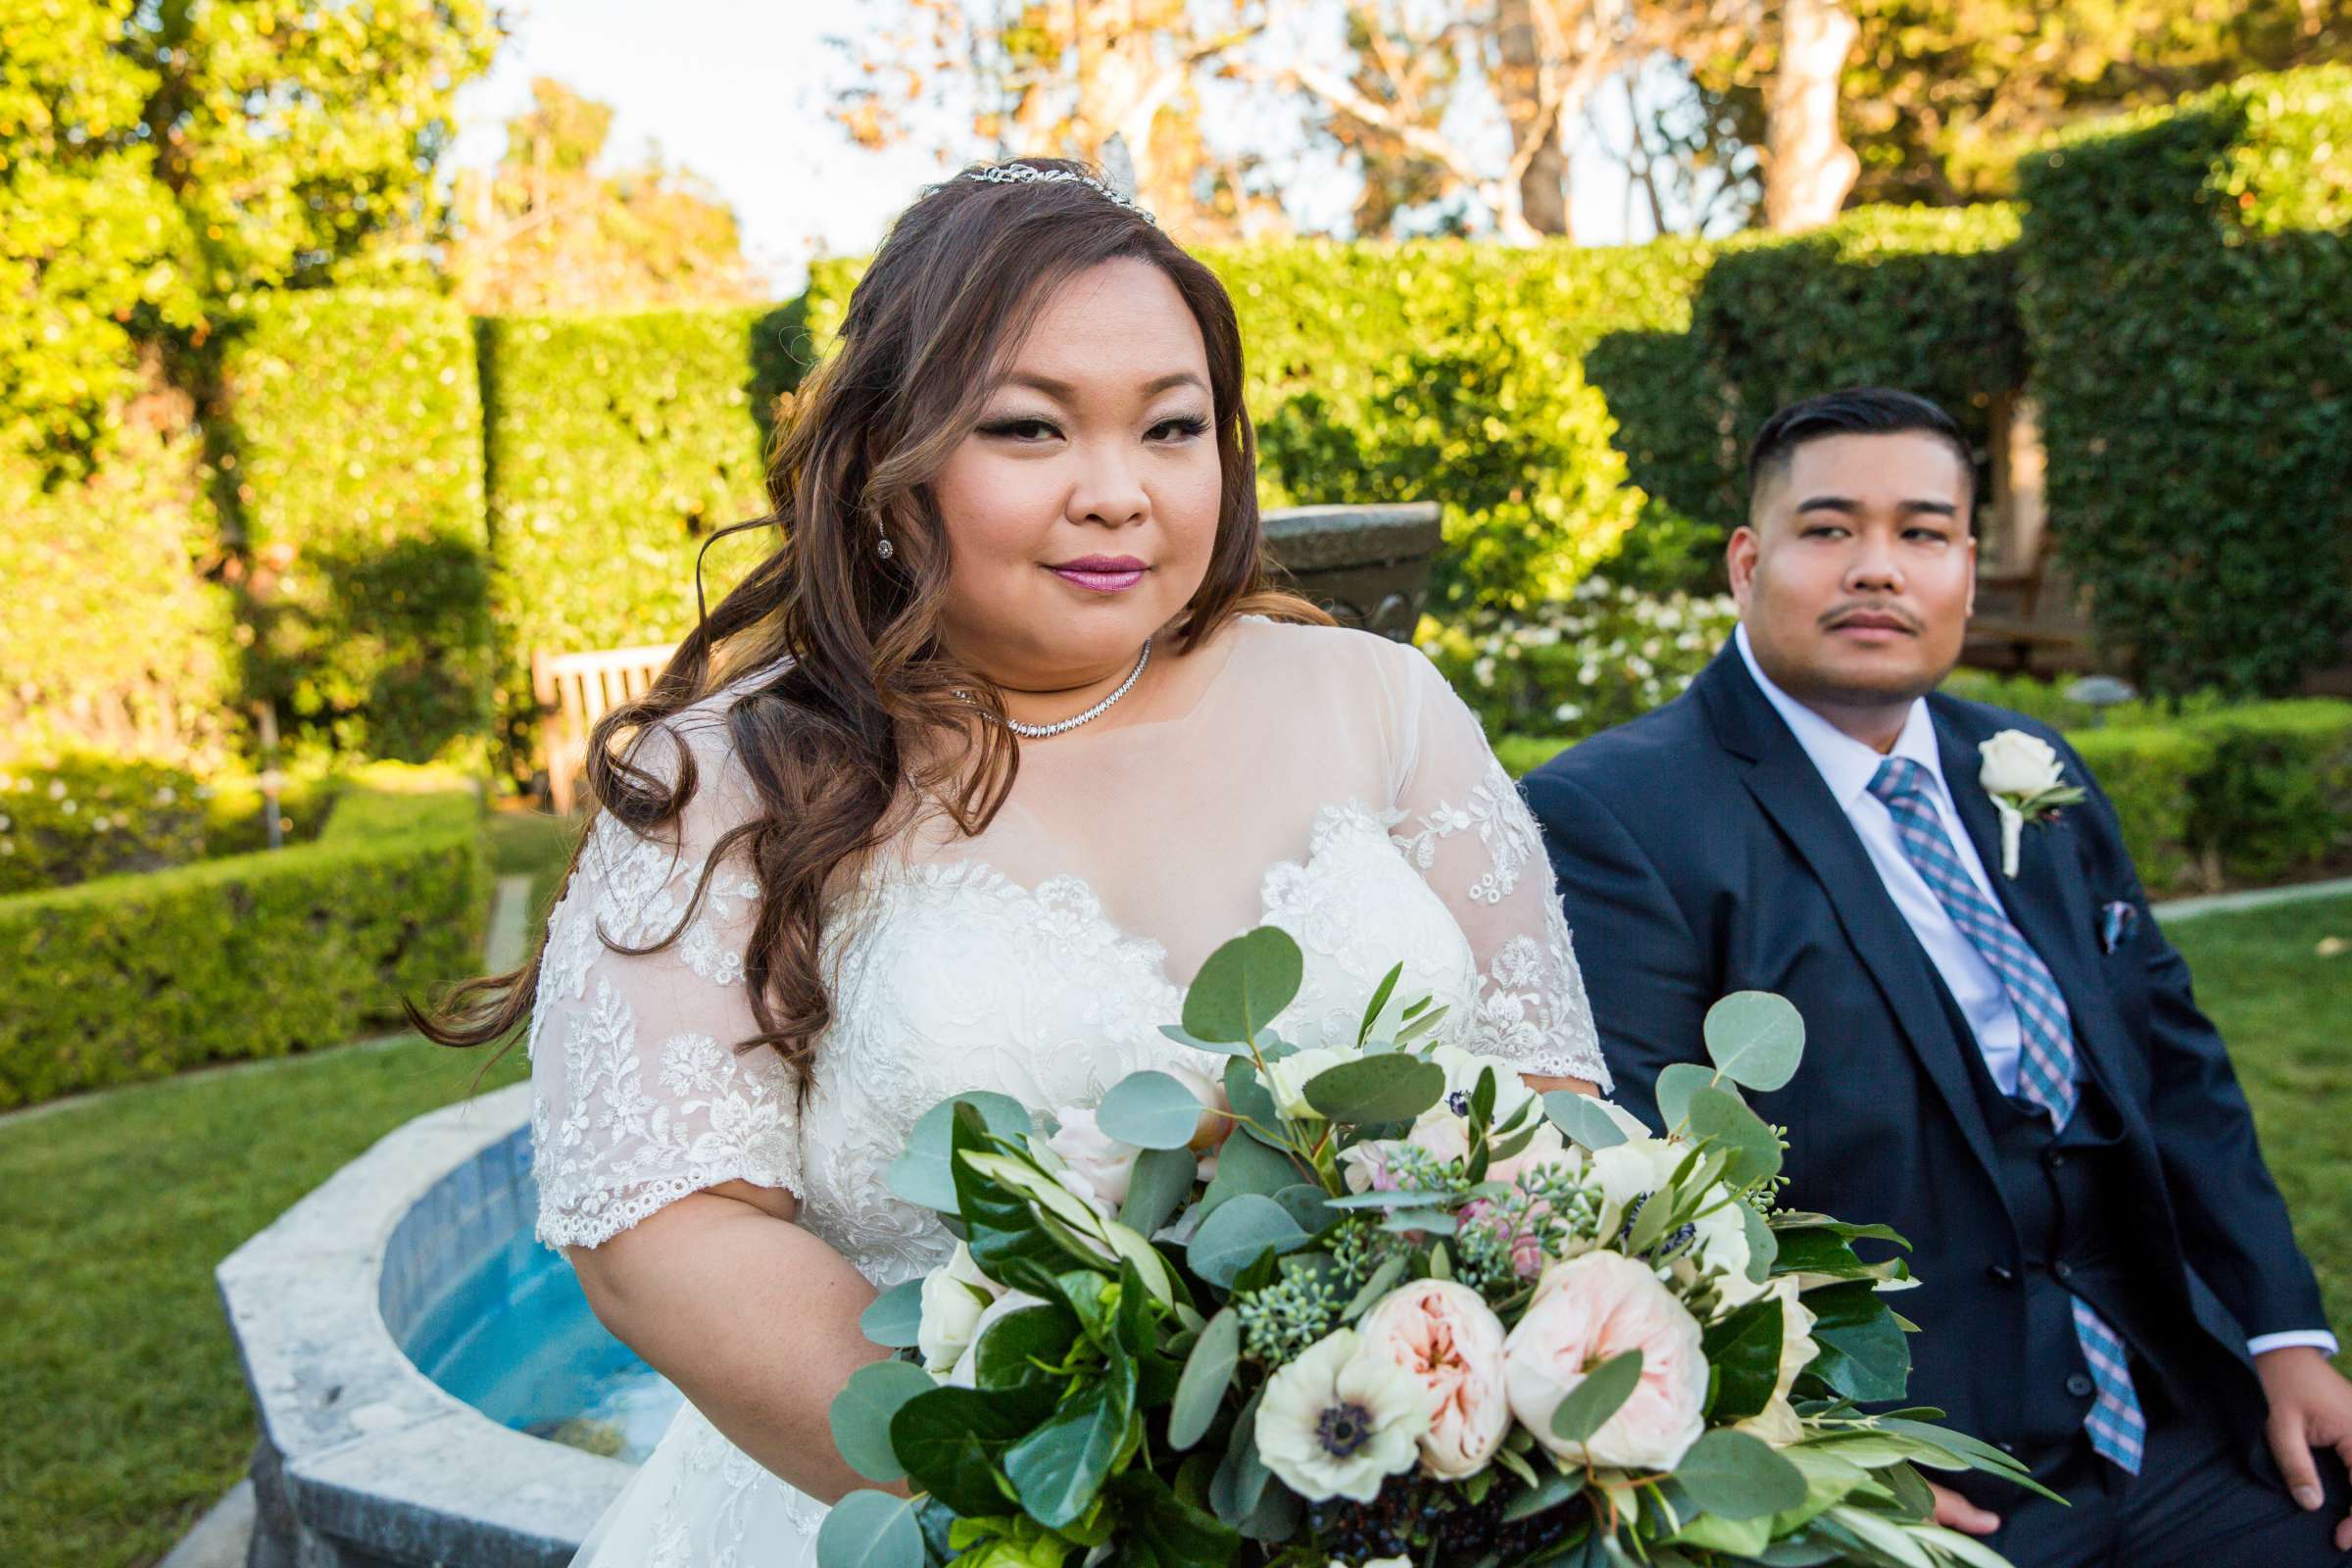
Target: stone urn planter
1368	566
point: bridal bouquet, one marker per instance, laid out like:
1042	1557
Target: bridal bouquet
1384	1306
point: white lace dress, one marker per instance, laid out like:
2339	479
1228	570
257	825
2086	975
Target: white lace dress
1324	781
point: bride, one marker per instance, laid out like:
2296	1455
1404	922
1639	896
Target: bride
955	792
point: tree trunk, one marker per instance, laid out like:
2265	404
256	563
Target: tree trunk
1543	206
1808	166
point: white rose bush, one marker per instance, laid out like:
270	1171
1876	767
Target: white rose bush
1382	1303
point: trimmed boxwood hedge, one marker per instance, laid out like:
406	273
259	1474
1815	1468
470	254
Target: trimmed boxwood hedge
616	444
2187	279
352	445
132	977
2241	796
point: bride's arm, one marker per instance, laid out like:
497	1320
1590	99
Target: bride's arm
753	1318
668	1161
1464	826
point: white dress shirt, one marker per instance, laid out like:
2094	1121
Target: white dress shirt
1847	767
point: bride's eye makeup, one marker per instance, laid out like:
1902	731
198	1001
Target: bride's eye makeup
1020	427
1183	427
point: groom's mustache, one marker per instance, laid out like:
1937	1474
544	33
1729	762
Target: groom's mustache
1869	613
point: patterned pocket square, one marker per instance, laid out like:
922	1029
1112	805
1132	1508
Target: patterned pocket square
2117	919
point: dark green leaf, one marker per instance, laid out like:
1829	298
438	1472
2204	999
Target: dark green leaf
1863	1353
1396	1087
1058	1469
1587	1406
1242	1479
1380	999
1740	1477
1243	985
1744	1351
1814	1251
952	1441
1158	1529
861	1413
1151	1110
1008	1352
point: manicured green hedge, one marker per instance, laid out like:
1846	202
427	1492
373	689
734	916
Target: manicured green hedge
2187	279
135	977
354	440
110	634
2240	796
616	444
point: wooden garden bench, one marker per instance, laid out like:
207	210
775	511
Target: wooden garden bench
574	691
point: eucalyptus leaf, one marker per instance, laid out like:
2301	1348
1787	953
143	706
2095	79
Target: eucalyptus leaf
1755	1039
1215	1048
895	1318
1151	1110
1207	1373
1431	1222
1397	1087
1587	1408
1676	1085
1245	1165
870	1530
861	1413
1763	1244
1581	1120
1382	1281
1243	985
1309	1206
1240	1230
1740	1477
1161	1180
1718	1114
922	1175
1252	1101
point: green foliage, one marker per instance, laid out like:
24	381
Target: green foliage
2149	772
89	239
131	977
1917	298
1456	372
617	445
355	439
80	815
115	558
2200	457
2278	798
1593	659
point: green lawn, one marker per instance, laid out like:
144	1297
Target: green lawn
128	1416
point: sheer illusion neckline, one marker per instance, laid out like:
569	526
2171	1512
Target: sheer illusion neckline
1037	901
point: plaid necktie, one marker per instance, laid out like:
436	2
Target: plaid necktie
2045	1069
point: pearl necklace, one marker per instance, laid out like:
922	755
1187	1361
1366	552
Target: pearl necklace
1042	732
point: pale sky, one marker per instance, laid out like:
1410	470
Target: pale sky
735	90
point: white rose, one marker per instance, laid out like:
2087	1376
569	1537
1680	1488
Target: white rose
1288	1078
1098	1166
2018	764
954	1298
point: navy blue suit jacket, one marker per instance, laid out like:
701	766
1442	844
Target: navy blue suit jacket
1699	853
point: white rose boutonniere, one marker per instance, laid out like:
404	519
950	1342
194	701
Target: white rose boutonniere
2027	784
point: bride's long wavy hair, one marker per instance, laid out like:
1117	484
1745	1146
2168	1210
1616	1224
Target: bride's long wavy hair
853	639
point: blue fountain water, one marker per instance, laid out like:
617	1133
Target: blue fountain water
515	1340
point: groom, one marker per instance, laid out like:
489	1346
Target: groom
2006	1065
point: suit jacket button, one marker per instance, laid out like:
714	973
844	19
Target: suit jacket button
2003	1273
2079	1385
2007	1447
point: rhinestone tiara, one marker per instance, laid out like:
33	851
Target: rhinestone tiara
1019	173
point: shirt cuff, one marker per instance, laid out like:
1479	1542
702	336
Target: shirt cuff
2317	1338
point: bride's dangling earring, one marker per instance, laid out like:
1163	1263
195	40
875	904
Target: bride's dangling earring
884	548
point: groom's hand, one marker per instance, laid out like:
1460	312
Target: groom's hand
1955	1512
2311	1407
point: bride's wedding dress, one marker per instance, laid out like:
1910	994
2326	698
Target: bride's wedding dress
1324	781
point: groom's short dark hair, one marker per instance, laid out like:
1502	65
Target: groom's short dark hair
1850	411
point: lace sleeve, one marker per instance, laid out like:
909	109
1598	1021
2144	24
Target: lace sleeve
639	1096
1465	827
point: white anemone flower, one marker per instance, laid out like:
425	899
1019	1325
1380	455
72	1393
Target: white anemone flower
1336	1424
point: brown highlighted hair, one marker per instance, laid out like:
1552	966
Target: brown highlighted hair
853	640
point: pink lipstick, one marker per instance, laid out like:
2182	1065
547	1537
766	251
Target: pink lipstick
1101	575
